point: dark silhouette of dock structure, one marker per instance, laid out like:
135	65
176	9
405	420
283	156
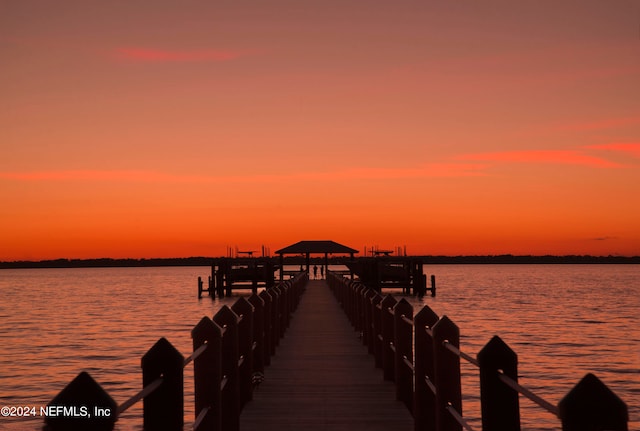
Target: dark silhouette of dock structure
323	377
378	272
352	359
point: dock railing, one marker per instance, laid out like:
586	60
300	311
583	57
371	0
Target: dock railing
229	354
421	354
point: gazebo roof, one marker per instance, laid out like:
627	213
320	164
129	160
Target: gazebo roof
303	247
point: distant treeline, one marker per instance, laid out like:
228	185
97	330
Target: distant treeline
434	260
511	259
107	262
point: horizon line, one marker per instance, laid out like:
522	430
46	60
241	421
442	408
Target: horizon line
445	256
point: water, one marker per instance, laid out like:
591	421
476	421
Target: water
563	321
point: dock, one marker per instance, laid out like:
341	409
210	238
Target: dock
317	355
378	272
323	377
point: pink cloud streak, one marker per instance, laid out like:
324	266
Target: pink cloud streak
425	171
85	175
565	157
631	148
164	56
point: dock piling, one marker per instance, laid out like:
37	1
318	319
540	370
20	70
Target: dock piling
207	372
163	409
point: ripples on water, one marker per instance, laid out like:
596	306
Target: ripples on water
563	321
59	322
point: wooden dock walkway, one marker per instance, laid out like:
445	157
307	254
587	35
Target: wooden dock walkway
322	377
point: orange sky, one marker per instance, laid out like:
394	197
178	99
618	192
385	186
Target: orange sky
182	128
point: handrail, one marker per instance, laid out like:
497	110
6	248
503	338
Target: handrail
223	382
436	379
508	381
148	390
431	385
527	393
201	416
458	417
456	351
408	363
195	354
140	395
165	375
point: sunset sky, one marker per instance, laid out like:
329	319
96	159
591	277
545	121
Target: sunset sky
181	128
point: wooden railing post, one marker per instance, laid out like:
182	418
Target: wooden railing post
269	348
403	332
258	332
348	300
355	305
592	406
376	309
228	320
296	291
388	355
363	300
447	374
207	373
360	321
341	291
500	403
163	409
244	310
284	307
345	292
424	398
275	317
367	333
82	391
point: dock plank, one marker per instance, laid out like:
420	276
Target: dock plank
322	377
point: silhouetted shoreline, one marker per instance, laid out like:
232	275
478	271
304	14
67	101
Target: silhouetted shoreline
434	260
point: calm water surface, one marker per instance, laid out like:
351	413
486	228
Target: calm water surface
563	321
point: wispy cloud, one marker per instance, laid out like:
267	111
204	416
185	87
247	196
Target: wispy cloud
629	148
430	170
163	56
87	175
464	165
565	157
365	173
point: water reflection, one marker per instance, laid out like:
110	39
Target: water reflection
562	320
